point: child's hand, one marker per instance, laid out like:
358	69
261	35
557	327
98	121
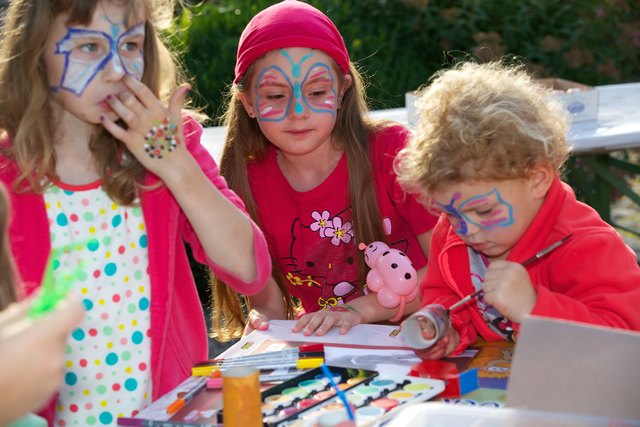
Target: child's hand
507	286
321	321
154	132
443	347
31	354
257	320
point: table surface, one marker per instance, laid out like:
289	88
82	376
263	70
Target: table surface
617	126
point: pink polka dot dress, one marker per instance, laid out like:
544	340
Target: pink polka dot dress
107	357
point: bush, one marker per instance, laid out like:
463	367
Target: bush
398	44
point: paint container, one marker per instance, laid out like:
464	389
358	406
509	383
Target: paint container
336	418
368	414
241	399
386	384
412	333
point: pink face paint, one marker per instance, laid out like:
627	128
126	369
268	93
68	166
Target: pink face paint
501	214
278	90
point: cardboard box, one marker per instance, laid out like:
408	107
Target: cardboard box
581	101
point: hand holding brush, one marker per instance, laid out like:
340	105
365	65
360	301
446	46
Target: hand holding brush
434	318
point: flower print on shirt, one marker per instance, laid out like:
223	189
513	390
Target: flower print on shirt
339	232
322	267
323	220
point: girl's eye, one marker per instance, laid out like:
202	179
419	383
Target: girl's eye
89	47
318	93
275	97
483	212
130	46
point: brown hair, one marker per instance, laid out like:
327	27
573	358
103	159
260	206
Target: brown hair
482	122
25	115
245	143
7	284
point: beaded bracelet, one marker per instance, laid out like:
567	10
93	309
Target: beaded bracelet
161	139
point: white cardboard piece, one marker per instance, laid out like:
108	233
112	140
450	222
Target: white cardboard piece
571	367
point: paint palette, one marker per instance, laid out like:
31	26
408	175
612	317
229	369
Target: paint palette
299	401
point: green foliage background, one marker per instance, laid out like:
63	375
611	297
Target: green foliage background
398	44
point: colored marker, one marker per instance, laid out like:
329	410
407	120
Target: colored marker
187	397
302	364
290	354
305	363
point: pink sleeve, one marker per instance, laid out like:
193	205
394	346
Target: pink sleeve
192	133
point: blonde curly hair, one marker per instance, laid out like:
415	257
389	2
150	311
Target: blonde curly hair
482	122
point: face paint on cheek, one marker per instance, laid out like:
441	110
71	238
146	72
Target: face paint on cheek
272	96
320	93
498	220
456	219
501	214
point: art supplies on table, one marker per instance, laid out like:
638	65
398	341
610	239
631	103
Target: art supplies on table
303	351
372	398
241	399
299	401
274	366
359	336
187	397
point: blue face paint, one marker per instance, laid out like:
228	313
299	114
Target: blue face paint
275	90
458	223
87	52
296	72
499	215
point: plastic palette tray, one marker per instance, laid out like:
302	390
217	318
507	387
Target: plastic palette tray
299	401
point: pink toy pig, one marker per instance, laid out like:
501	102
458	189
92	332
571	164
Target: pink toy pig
392	276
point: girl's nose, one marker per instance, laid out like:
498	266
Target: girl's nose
298	109
114	69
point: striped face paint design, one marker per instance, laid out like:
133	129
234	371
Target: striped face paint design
486	211
277	91
87	52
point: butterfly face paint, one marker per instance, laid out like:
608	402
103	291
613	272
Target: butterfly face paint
277	91
499	214
87	52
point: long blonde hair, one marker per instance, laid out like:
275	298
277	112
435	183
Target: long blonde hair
245	143
25	114
7	284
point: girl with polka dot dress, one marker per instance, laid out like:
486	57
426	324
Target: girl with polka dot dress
105	166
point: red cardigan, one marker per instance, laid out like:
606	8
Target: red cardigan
177	321
593	277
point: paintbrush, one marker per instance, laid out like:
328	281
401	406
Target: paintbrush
527	262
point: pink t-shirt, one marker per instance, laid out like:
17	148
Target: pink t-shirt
311	234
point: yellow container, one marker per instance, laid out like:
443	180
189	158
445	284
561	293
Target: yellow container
241	399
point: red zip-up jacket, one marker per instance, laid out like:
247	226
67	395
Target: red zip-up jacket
593	277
